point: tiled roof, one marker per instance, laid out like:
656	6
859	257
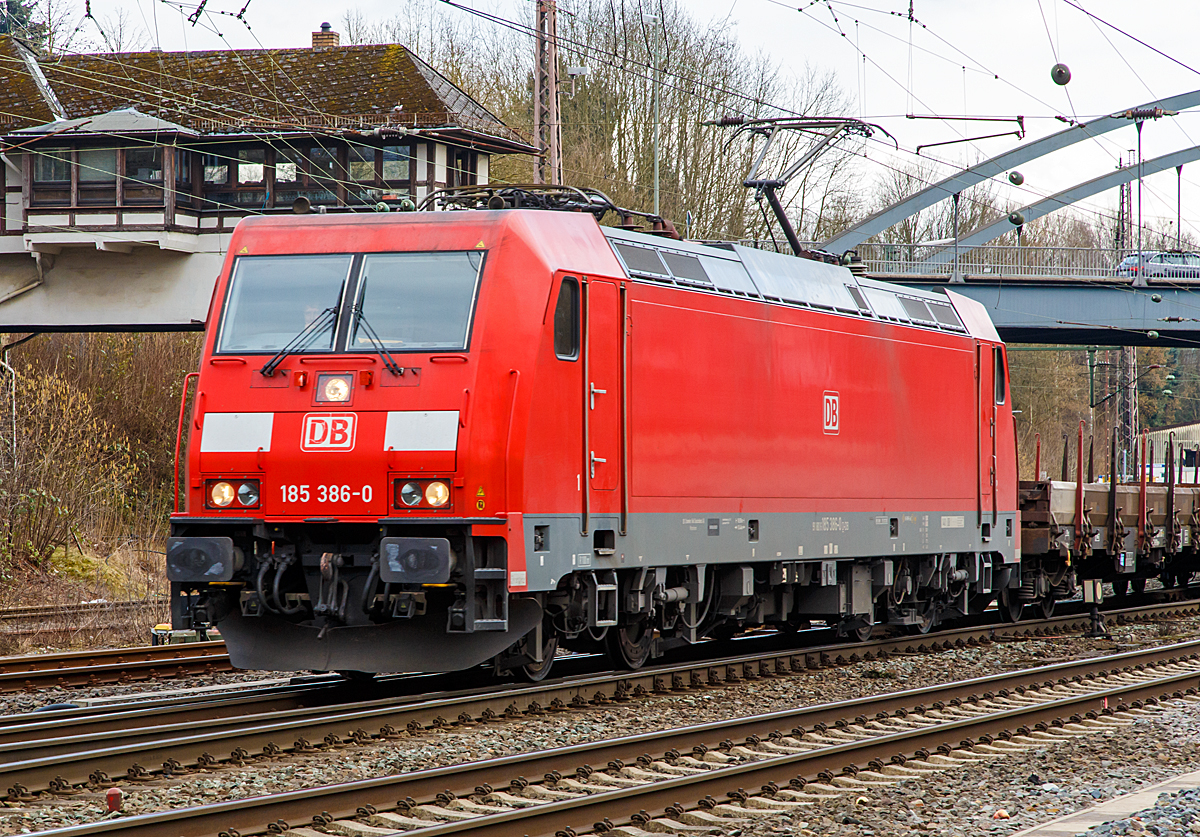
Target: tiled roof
232	91
22	103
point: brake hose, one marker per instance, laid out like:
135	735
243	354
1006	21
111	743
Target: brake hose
260	586
280	600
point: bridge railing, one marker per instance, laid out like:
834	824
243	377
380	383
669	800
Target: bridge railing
992	260
1001	260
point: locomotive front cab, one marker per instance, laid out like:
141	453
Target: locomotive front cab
329	524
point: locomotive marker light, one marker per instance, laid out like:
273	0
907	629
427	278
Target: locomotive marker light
333	388
410	494
437	494
221	494
247	493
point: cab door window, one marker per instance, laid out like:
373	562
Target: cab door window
566	320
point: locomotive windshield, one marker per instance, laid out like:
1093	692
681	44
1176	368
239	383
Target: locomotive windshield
274	298
417	301
411	301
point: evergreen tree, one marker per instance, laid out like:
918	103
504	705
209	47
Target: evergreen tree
17	19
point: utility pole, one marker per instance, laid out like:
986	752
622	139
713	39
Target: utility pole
547	129
1179	207
1140	279
1138	116
657	86
1127	405
1124	231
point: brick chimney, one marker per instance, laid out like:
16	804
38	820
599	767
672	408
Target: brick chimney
325	38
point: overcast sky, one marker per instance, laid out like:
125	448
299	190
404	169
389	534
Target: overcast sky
962	56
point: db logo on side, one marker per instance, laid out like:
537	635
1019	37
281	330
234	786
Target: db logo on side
832	414
328	431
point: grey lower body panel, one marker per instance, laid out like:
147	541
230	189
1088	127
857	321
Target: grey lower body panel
269	643
657	540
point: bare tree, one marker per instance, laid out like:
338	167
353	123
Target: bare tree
607	114
120	33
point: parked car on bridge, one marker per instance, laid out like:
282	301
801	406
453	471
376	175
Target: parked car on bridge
1162	265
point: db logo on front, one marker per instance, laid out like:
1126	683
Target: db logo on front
328	431
832	415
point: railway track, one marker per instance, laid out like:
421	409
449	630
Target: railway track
111	665
95	747
57	612
99	667
794	756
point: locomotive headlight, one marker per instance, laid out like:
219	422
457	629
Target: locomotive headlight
437	493
410	494
334	388
221	494
247	493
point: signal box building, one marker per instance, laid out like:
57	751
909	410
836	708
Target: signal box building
124	174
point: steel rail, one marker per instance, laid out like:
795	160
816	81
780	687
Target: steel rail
277	813
111	665
34	758
18	614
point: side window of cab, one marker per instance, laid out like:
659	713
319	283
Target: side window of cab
566	320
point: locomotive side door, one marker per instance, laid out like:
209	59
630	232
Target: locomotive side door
602	395
986	413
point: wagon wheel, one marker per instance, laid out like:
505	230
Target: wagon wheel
629	645
1010	609
536	672
925	611
1138	585
1046	605
1121	587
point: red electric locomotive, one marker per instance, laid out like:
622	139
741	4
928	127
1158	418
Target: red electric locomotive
422	441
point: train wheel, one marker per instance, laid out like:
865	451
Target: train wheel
537	672
1138	585
629	645
1121	587
1046	606
1010	609
926	623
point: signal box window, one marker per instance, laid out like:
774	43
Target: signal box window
566	320
325	172
144	175
395	165
52	176
97	175
216	169
417	301
274	298
183	176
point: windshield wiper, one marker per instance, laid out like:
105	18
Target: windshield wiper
301	341
388	361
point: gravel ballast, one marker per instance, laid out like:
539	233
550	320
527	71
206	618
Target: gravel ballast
1173	815
1029	787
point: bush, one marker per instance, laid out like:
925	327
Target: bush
91	465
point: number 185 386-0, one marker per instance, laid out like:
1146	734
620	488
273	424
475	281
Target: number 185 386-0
324	493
